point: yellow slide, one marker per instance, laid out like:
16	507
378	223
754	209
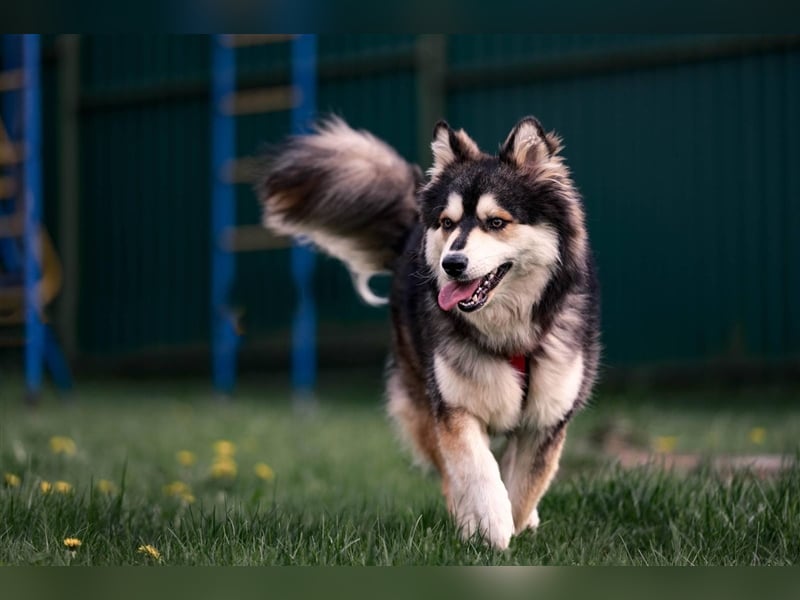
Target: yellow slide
12	299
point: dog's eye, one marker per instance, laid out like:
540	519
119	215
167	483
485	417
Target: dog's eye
447	224
496	223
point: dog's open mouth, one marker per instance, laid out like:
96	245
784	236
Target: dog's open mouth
471	295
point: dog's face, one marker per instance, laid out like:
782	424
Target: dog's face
496	225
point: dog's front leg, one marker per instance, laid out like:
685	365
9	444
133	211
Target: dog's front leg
529	464
477	497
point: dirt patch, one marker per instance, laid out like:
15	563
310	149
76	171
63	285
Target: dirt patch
630	454
761	465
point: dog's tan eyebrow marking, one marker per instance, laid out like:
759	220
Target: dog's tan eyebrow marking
488	208
455	207
500	213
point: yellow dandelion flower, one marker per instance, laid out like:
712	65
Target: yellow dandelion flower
224	468
264	471
758	435
72	543
104	486
665	443
46	487
62	487
186	458
176	488
224	448
12	480
179	489
60	444
150	551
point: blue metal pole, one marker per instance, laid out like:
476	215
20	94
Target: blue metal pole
32	186
10	253
304	352
224	337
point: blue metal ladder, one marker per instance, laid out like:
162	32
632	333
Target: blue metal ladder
21	233
226	103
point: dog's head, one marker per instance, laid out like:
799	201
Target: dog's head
498	227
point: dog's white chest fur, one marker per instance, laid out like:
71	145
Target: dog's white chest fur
554	386
490	389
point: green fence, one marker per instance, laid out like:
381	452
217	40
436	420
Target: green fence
685	147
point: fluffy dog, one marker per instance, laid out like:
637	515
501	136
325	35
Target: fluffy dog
494	298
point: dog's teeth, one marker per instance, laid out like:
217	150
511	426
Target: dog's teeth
481	293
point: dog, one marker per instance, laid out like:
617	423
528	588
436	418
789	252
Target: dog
494	298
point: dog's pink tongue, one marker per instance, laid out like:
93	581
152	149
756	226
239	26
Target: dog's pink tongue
454	292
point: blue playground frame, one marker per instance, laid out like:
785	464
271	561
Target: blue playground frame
225	337
23	52
32	189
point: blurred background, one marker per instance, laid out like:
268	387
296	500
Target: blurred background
135	275
685	147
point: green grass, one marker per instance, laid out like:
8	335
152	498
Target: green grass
344	492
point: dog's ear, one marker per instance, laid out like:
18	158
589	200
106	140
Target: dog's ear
528	144
450	146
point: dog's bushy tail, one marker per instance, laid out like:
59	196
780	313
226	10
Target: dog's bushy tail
347	192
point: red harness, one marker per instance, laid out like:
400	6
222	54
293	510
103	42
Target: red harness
520	364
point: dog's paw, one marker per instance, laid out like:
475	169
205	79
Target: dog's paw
532	523
486	510
529	524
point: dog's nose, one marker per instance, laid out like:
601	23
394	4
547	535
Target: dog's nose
454	264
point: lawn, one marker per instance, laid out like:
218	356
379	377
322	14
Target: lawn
147	481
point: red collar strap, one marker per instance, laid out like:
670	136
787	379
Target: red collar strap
520	363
